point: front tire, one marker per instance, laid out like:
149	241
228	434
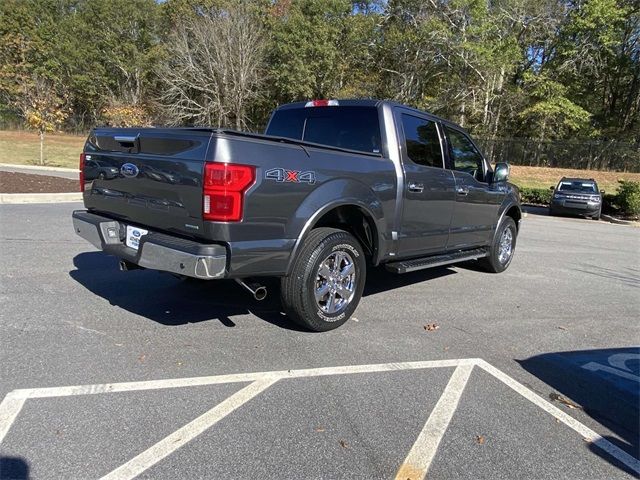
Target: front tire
503	247
326	280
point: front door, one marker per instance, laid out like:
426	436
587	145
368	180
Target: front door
477	201
429	188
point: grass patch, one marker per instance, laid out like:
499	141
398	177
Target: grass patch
541	177
23	148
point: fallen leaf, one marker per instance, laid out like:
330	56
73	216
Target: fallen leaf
142	357
344	444
564	401
480	439
560	327
430	327
319	429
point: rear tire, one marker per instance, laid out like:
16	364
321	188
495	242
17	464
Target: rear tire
326	280
503	247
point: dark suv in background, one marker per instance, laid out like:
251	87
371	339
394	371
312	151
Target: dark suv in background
576	196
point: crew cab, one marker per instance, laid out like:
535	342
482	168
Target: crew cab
332	188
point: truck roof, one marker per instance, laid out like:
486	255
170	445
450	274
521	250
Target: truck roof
370	102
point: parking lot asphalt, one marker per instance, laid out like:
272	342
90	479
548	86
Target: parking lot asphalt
522	370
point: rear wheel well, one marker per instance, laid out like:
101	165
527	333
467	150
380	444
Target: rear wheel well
357	222
514	212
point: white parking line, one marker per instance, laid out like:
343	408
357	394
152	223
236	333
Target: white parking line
12	404
416	465
177	439
588	434
9	410
232	378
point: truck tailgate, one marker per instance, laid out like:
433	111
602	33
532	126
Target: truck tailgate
148	177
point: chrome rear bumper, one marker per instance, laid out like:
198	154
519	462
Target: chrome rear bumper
157	251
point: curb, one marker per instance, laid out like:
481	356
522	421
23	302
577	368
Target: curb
38	167
17	198
611	219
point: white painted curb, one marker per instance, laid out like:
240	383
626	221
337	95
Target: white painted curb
12	198
611	219
38	167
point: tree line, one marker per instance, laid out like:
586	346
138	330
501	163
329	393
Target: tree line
540	69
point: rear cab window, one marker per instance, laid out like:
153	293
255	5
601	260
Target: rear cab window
350	127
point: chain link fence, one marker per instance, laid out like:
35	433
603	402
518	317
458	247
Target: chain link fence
584	155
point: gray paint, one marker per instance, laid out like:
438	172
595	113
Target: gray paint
166	195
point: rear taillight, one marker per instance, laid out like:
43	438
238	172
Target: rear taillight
81	176
224	186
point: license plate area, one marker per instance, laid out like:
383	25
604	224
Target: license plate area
134	234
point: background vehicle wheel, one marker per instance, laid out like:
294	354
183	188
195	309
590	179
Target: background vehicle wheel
326	281
503	247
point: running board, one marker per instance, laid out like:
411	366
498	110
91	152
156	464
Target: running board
406	266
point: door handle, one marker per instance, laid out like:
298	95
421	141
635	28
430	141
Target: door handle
416	187
462	190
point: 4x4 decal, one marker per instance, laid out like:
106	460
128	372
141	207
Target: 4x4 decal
291	176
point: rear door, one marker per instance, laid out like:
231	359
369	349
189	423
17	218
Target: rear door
477	201
429	188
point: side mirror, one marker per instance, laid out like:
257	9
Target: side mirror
501	173
552	188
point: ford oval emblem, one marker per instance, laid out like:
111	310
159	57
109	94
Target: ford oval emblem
129	170
136	233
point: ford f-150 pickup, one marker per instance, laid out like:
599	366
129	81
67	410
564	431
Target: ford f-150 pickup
332	188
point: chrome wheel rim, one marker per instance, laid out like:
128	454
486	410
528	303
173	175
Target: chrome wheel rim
506	246
335	283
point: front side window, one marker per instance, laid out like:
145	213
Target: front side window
464	155
423	143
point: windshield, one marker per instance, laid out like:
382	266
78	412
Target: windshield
353	128
578	186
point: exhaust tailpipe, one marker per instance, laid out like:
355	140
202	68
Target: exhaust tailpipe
125	266
259	292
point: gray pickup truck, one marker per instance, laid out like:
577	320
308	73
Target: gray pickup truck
331	188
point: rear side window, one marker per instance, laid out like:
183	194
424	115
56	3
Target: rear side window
423	143
353	128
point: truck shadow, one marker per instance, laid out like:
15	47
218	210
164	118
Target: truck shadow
171	301
380	280
14	468
604	383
